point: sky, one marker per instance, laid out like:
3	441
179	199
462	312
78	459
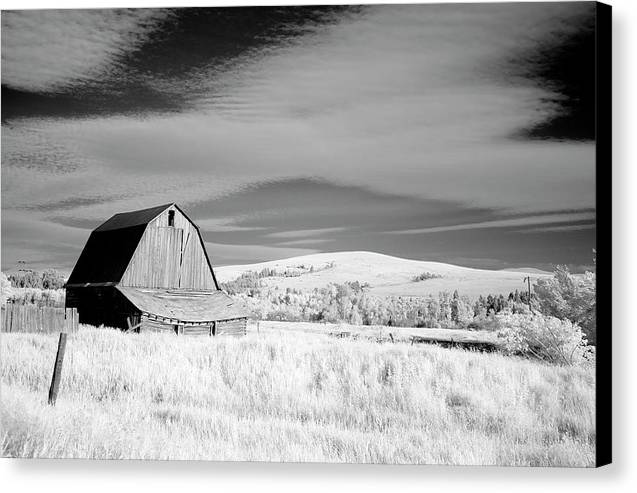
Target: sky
455	133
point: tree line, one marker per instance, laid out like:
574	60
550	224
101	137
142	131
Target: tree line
565	297
47	279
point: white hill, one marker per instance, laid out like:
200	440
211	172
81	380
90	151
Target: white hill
386	275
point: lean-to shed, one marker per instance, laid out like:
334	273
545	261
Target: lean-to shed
148	270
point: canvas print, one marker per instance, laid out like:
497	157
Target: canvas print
346	233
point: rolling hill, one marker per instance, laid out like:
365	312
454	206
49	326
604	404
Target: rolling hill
386	275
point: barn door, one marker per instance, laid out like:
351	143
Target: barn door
156	260
165	254
173	239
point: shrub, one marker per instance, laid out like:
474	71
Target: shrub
35	296
543	337
250	281
247	283
425	276
569	297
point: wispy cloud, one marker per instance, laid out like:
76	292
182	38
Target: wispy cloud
224	225
559	229
307	242
303	233
502	223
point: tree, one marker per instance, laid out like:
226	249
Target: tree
461	310
5	288
569	297
52	279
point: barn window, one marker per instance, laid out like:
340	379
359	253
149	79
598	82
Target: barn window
171	218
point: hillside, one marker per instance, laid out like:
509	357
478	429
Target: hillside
386	275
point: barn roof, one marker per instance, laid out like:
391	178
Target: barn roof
106	255
111	246
133	218
185	306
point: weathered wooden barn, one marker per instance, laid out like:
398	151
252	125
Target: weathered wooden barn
148	270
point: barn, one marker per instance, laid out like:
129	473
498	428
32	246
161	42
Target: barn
148	270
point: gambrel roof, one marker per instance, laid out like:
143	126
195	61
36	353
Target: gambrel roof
111	246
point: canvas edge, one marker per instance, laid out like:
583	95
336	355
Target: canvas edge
604	219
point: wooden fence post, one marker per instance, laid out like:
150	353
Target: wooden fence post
57	369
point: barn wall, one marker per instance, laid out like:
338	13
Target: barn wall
195	272
170	257
150	325
101	306
199	330
236	327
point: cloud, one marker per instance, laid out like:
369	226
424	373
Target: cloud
284	207
352	121
84	63
218	155
503	223
303	233
560	229
48	50
224	225
309	242
410	95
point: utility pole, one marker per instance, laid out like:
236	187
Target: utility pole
528	281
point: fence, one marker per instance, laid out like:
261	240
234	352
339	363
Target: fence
44	319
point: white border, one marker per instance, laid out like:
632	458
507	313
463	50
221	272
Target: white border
96	476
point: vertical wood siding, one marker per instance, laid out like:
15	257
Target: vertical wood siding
155	263
32	318
169	257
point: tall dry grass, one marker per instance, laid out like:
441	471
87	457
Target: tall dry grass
289	397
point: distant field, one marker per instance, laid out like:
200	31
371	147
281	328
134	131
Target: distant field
386	275
287	396
382	333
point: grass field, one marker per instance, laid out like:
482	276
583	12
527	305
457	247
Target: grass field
290	397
